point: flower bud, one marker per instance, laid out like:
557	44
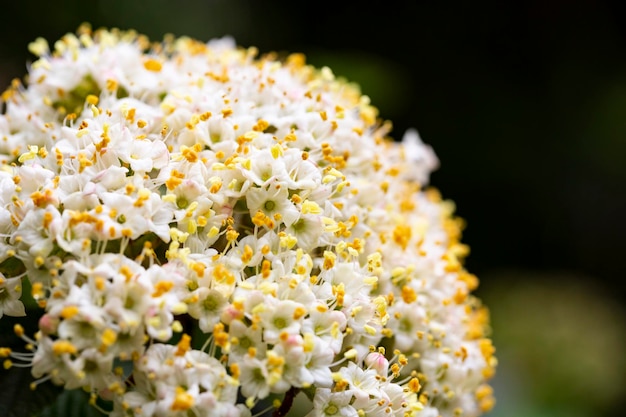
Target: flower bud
377	362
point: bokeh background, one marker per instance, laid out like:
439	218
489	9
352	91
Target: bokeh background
525	105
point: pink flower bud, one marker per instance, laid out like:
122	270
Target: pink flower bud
48	324
378	362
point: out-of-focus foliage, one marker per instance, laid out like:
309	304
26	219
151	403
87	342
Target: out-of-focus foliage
560	344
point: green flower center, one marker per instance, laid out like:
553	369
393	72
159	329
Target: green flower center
269	205
280	323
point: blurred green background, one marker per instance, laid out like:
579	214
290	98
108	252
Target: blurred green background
525	105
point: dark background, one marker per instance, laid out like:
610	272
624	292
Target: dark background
525	106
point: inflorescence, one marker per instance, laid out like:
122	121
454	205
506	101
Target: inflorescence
208	232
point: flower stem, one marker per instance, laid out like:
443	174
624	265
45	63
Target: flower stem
285	406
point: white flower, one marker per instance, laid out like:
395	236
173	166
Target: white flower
283	317
95	370
420	158
207	307
264	168
254	378
10	292
332	404
243	339
327	326
318	363
363	383
272	201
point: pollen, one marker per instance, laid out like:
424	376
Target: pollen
191	154
246	256
69	312
184	345
408	294
183	401
61	347
108	337
402	236
153	65
299	312
162	287
176	178
198	268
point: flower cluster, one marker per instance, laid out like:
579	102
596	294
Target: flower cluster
206	231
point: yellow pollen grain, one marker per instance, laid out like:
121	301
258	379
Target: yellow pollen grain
39	261
483	391
265	268
232	235
234	370
408	294
126	271
69	312
269	223
47	219
198	268
220	337
153	65
183	346
329	259
259	218
162	287
260	125
213	231
100	283
215	186
108	337
414	385
247	254
402	235
176	178
299	312
183	401
202	221
486	348
61	347
37	290
92	99
486	404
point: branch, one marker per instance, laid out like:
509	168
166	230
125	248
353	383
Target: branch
285	406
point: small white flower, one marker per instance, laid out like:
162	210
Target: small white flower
254	378
282	317
10	292
272	201
420	158
363	383
264	168
245	337
207	306
332	404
